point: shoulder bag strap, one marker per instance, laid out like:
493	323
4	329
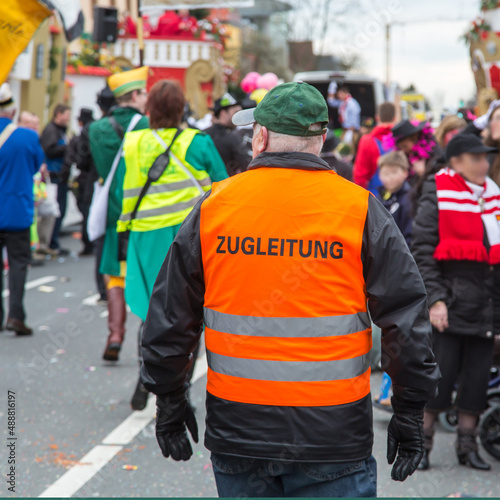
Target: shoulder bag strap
133	122
6	133
161	162
181	165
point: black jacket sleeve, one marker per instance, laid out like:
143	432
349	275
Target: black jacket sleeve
174	322
398	305
83	154
425	238
49	141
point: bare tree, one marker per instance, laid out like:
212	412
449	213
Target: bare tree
318	20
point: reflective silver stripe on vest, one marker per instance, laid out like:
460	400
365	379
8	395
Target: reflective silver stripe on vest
171	209
288	371
160	188
257	326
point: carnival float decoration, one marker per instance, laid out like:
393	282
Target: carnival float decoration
256	86
483	37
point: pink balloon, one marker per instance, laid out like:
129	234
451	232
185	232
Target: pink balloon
267	81
249	82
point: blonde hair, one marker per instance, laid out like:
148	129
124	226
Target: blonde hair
394	159
448	124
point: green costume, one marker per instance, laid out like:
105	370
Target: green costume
104	144
152	234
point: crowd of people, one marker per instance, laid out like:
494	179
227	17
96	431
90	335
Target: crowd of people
440	186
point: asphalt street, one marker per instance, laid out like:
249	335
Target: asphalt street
77	435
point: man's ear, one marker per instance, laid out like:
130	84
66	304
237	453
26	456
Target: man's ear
324	137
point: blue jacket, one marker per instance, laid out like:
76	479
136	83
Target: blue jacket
399	206
20	158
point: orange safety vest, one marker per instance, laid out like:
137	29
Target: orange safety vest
285	300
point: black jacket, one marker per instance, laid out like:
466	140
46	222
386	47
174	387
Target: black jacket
78	152
230	147
471	290
399	206
50	141
397	303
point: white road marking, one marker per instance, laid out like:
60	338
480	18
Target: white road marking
91	300
34	284
132	425
76	477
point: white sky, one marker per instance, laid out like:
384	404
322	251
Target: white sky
428	54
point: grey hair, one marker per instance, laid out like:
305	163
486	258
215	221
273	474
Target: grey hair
281	143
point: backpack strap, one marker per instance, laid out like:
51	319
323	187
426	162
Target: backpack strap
117	127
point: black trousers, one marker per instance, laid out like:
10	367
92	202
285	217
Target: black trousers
465	362
62	200
19	257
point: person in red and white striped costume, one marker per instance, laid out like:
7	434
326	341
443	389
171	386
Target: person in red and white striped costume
456	244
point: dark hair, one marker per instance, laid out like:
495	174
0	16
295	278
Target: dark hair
344	88
165	104
59	109
386	112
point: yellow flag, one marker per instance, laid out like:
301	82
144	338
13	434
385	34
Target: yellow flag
19	19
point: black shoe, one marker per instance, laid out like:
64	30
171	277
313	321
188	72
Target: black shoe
18	326
86	251
37	263
429	442
467	451
140	398
63	252
112	351
473	459
424	463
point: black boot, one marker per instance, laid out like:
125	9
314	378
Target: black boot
428	440
467	451
140	397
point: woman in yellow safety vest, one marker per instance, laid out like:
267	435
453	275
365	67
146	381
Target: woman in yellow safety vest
193	165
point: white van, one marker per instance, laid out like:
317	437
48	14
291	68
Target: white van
368	91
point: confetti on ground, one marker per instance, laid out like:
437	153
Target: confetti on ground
90	368
43	328
130	467
53	447
59	458
69	294
60	351
64	279
62	310
77	236
46	289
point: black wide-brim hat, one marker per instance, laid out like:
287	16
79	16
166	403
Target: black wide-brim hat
405	128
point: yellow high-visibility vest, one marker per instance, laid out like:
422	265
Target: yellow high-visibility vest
169	200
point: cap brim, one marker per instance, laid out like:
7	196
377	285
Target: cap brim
244	117
482	149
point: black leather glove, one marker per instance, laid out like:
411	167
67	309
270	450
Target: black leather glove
173	414
405	438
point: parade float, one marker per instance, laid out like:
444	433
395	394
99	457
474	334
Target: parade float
192	55
483	38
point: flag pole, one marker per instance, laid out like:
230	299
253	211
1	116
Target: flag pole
140	33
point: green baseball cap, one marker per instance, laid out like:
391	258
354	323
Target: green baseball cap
289	108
